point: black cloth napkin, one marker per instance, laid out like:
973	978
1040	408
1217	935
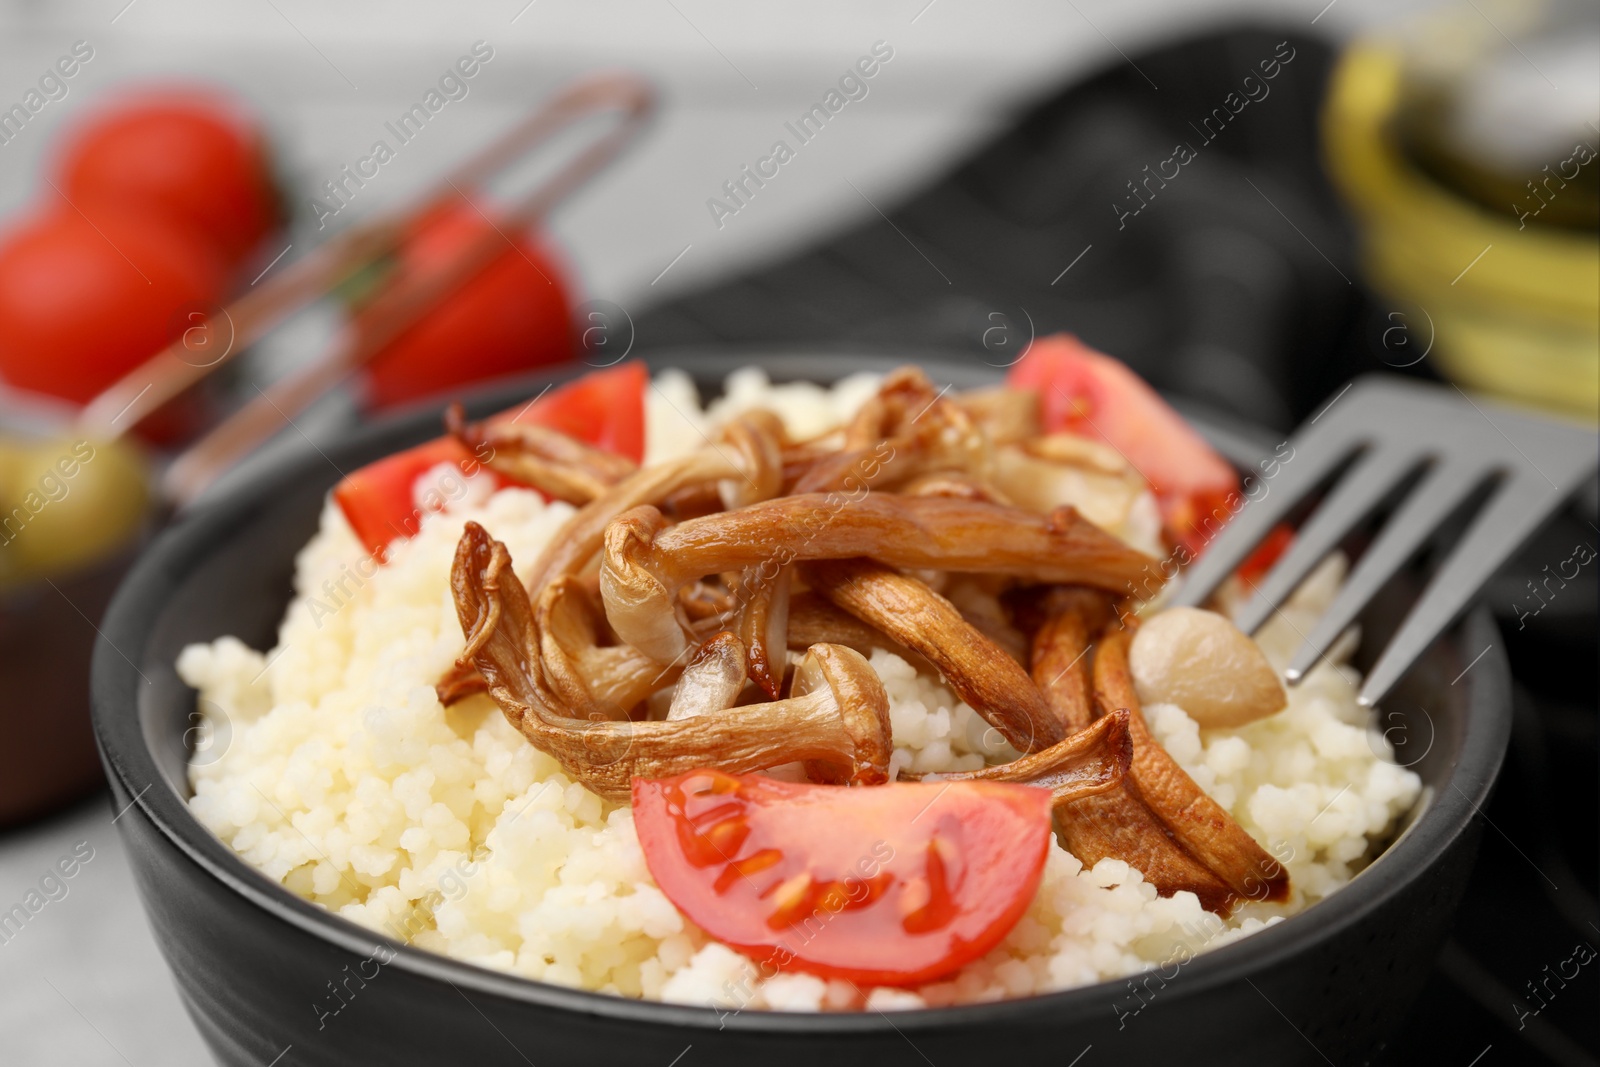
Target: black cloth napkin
1169	210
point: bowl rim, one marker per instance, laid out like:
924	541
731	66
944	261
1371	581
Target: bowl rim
140	790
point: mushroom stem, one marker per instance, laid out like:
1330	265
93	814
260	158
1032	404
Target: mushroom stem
1071	617
763	621
645	562
988	679
1196	821
1084	764
814	618
461	681
1116	824
592	682
557	465
933	532
838	714
746	456
712	680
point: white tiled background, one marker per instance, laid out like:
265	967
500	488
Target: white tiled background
84	984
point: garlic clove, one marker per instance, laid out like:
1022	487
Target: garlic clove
1200	661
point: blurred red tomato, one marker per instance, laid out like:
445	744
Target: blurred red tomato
187	154
82	303
513	315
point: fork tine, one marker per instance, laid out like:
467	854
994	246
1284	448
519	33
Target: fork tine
1513	513
1315	455
1441	491
1358	492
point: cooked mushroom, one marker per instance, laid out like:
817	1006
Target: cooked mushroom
461	681
593	682
1199	823
763	621
552	462
645	562
1084	764
712	680
745	460
814	618
988	679
1063	469
953	484
837	714
1118	823
1005	415
1070	619
904	396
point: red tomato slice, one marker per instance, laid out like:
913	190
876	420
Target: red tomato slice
887	885
378	499
604	408
1088	393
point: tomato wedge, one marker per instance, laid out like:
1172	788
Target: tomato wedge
604	408
378	499
887	885
1088	393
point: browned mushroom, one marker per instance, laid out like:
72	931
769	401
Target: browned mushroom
837	714
763	622
978	670
814	618
591	681
557	465
461	681
1005	415
903	397
1070	617
1199	823
953	484
745	461
712	680
977	597
1084	764
1116	824
645	562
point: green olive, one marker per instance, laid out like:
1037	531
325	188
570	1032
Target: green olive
66	503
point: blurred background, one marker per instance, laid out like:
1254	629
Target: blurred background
1399	186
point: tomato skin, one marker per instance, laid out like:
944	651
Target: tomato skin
512	316
1085	392
884	885
185	154
1266	554
82	303
378	501
603	408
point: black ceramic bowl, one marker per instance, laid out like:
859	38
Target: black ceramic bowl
256	965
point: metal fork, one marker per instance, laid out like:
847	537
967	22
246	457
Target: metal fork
1383	430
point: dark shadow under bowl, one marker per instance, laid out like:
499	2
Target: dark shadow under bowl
259	967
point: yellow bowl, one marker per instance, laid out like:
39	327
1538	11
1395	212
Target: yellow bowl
1514	312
